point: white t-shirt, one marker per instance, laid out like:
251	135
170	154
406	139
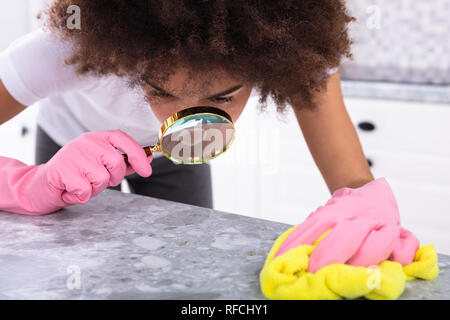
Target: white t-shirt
33	71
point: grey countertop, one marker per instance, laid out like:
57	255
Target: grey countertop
125	246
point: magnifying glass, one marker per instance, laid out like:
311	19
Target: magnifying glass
194	135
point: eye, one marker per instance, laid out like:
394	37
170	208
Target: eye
223	100
160	94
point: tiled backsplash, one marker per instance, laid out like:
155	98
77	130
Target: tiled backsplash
406	41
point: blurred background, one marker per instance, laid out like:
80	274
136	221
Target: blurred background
397	92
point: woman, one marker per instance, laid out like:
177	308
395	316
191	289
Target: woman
181	54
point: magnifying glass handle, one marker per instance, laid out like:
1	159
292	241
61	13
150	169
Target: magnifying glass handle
147	150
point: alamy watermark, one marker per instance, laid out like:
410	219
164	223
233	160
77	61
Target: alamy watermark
374	19
74	280
74	20
374	278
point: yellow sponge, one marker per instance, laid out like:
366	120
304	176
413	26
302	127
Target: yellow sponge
286	276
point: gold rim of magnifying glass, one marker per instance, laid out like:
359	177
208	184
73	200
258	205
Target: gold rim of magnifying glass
186	113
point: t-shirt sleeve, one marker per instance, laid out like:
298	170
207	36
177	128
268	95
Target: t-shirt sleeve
332	71
32	67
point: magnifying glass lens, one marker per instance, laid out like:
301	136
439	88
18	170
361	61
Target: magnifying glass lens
197	138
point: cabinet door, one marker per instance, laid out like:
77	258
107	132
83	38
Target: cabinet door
269	172
17	136
236	173
424	210
422	128
409	144
409	147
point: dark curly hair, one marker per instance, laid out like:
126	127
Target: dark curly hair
282	47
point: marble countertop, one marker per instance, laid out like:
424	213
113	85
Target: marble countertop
125	246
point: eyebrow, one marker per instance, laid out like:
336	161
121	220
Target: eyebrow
217	95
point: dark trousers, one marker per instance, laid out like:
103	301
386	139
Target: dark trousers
186	183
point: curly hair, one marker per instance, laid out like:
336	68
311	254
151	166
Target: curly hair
283	47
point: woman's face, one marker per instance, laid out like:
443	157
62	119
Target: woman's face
182	91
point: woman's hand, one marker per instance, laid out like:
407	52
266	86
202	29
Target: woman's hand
365	225
80	170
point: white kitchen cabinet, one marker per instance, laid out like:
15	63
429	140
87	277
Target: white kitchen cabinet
420	128
277	178
410	147
17	136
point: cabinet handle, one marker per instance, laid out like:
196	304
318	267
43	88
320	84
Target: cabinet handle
366	126
369	162
24	131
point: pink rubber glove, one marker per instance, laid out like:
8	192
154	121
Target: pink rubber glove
78	171
365	231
